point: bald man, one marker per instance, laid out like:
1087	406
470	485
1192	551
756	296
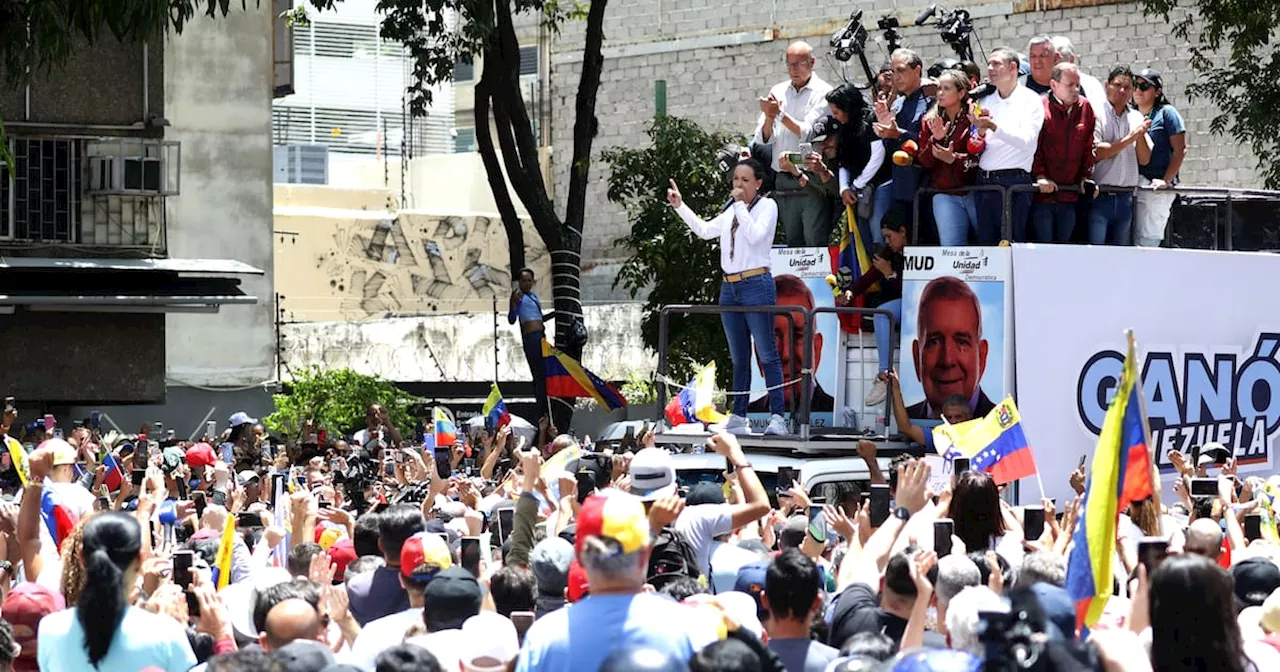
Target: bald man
787	116
1204	537
292	619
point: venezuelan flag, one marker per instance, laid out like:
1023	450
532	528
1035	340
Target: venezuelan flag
1120	474
495	409
694	403
566	379
59	518
853	262
225	551
996	444
18	456
446	432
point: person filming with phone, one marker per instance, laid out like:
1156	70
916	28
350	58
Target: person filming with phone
745	228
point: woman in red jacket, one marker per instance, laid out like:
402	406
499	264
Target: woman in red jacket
949	152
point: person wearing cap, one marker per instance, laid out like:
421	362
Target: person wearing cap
1010	118
241	442
787	117
23	608
1168	136
613	543
723	558
52	474
452	597
489	644
422	557
302	655
653	478
550	561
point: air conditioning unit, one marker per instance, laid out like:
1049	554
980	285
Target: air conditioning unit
301	164
133	167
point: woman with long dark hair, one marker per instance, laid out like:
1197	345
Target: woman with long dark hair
1193	618
746	229
859	154
103	632
952	163
979	521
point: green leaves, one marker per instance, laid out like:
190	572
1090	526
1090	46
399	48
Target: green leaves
336	399
1234	54
667	260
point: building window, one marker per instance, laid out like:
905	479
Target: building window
465	141
464	69
43	203
529	60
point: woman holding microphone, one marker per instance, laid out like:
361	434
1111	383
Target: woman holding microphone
746	230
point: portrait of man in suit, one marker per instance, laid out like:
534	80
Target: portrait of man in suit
949	351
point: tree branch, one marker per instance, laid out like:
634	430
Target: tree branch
585	123
497	183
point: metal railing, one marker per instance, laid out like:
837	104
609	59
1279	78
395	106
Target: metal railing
803	375
1221	234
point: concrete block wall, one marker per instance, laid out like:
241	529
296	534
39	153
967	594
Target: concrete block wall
718	86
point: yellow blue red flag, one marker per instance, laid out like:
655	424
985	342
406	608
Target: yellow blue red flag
567	379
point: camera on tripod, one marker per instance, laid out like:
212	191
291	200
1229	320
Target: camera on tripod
850	40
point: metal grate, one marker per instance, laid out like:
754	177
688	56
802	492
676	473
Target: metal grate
43	203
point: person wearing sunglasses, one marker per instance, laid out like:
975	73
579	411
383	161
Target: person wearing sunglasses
1168	149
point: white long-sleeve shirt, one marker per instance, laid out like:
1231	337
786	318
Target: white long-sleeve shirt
754	236
806	106
1018	120
868	171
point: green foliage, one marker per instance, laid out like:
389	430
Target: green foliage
336	400
667	260
1233	51
638	390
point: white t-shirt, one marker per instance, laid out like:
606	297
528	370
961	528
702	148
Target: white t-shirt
725	561
1018	121
379	635
700	525
445	645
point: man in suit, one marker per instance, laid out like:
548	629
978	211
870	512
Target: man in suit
949	351
789	335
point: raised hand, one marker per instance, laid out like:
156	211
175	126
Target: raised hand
673	195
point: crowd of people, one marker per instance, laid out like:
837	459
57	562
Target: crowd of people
1085	159
371	552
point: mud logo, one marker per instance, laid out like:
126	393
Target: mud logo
1233	399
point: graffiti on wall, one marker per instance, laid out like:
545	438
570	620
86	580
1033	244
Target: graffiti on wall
409	264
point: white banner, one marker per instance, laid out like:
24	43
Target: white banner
1208	361
961	340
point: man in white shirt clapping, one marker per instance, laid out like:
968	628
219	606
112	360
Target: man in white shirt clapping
1010	118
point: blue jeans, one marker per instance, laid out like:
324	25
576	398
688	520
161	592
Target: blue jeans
990	207
884	332
741	328
532	342
884	201
1111	221
955	214
1054	221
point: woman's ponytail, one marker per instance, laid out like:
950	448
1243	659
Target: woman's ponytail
112	542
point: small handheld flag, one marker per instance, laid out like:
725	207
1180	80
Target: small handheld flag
495	409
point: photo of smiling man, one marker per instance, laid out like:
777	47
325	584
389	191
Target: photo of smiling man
953	330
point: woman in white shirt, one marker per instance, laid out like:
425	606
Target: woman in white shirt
746	230
103	632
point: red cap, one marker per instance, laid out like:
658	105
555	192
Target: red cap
577	587
342	553
201	455
23	608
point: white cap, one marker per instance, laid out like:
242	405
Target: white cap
1213	453
489	642
241	597
741	607
241	418
653	474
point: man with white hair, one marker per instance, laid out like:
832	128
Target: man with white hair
963	617
787	116
1090	86
955	573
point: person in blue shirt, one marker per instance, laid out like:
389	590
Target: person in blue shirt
103	631
526	308
1159	174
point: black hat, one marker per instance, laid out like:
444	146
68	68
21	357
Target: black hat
1152	76
824	128
1255	580
705	492
452	597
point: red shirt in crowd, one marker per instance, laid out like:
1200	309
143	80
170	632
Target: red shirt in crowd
1065	153
962	171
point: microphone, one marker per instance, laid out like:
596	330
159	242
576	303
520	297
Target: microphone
982	90
926	15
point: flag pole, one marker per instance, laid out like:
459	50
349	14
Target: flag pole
1156	485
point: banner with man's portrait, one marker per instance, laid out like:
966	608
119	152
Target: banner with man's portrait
957	330
800	275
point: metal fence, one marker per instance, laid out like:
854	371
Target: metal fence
798	375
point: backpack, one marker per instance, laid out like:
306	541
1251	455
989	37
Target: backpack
672	558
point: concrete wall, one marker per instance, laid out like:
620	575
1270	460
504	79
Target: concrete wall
218	79
351	254
719	58
100	84
83	357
